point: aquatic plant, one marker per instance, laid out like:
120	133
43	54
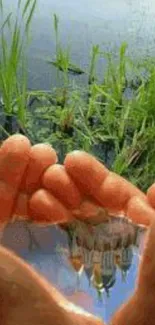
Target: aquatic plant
14	36
94	56
112	118
63	60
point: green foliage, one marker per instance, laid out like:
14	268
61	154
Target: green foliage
13	73
113	119
62	61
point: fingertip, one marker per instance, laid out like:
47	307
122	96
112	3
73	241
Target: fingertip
140	211
16	143
46	151
115	192
14	157
86	170
151	195
41	157
74	158
60	184
44	208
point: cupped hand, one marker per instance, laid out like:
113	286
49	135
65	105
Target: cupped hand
139	309
33	186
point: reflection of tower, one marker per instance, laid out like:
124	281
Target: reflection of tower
76	256
108	262
127	255
88	272
33	244
108	270
96	278
123	233
139	234
124	260
104	274
88	256
109	283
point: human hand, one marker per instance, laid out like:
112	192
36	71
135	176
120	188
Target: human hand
27	298
24	296
139	309
68	191
33	186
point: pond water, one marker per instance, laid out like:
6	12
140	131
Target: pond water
85	23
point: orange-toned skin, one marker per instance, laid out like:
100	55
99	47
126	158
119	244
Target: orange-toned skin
33	186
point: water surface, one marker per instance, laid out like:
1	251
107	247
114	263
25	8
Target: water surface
84	23
46	249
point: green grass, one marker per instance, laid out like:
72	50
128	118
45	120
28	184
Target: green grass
100	118
14	33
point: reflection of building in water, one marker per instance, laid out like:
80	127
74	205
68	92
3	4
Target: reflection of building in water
76	256
123	259
108	270
107	249
139	233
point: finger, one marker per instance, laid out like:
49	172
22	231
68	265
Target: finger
85	170
115	193
146	277
151	195
62	186
21	208
90	211
110	190
41	157
14	157
139	211
45	208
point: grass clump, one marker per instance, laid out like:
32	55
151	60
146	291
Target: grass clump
112	118
14	33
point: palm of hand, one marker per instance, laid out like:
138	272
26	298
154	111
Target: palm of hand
32	185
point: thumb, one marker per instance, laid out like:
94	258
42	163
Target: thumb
146	275
27	298
139	309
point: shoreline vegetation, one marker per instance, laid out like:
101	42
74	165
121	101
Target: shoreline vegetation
113	118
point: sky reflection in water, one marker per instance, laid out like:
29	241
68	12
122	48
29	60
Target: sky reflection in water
49	260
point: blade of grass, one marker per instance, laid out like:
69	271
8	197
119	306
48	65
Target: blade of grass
29	19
